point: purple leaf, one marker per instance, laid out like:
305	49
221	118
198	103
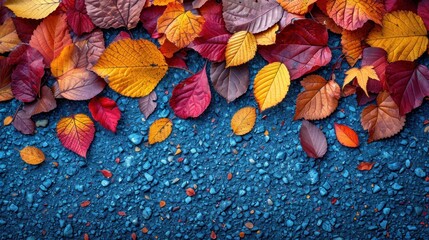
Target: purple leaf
23	123
231	82
147	104
45	103
313	141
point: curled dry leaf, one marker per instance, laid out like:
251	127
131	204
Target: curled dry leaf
8	36
313	141
365	166
271	85
113	13
35	9
160	130
132	67
105	111
76	133
32	155
240	49
147	104
230	82
403	35
382	120
243	120
318	100
346	136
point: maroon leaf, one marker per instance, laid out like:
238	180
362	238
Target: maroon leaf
394	5
408	84
5	14
147	104
27	75
231	82
25	27
149	17
105	111
252	16
301	46
45	103
77	17
423	11
5	73
191	97
178	60
313	141
23	123
362	98
377	58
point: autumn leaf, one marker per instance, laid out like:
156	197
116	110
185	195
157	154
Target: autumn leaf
7	120
318	100
346	136
90	47
423	12
296	6
23	123
113	13
302	46
51	36
353	43
271	85
25	28
35	9
321	17
105	111
5	79
77	16
382	120
240	49
251	16
377	58
149	17
80	84
147	104
8	36
180	27
32	155
403	36
230	82
76	133
352	14
267	37
45	103
192	96
362	75
313	141
106	173
394	5
243	120
132	67
365	166
160	130
408	84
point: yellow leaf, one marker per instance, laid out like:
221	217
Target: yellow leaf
180	27
362	75
7	120
402	35
132	67
35	9
8	36
271	85
241	48
267	37
162	2
296	6
64	62
32	155
160	130
243	120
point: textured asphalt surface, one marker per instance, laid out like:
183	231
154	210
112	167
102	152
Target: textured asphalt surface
274	186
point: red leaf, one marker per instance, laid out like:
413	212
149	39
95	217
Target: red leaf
149	17
211	48
45	103
85	203
178	60
26	78
106	173
377	58
289	18
192	96
394	5
105	111
230	82
77	17
408	84
313	141
213	235
301	46
147	104
25	27
346	136
23	123
365	166
423	11
122	213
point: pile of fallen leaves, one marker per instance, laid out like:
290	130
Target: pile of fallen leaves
45	39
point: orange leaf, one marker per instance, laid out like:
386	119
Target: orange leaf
353	14
267	37
180	27
243	120
365	166
318	100
76	133
85	203
162	203
32	155
353	43
7	120
296	6
160	130
322	18
362	75
51	36
346	136
190	192
8	36
382	120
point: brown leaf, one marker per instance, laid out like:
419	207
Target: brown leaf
319	99
353	43
45	103
382	120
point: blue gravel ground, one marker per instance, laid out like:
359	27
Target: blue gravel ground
274	186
